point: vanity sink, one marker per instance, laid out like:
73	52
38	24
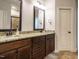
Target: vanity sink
23	36
1	37
16	35
8	38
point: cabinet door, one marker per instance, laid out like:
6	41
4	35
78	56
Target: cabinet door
50	43
48	47
38	47
9	55
24	52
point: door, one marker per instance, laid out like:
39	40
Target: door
38	47
50	43
65	19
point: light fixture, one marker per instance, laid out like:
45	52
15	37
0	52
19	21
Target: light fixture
39	4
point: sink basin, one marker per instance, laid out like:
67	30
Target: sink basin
15	35
8	38
2	37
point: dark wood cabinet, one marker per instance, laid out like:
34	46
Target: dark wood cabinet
9	55
24	52
50	43
38	47
32	48
16	50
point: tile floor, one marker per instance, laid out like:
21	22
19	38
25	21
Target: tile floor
54	56
51	56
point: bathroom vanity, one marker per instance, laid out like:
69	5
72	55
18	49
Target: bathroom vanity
34	45
27	46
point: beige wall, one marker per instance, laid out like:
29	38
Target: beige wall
65	4
50	15
27	15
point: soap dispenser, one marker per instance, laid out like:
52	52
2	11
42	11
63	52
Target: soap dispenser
17	30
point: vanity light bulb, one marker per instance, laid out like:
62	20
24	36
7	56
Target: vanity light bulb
35	3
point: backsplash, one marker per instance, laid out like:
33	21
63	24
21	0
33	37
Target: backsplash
7	32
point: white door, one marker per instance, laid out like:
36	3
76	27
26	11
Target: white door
65	19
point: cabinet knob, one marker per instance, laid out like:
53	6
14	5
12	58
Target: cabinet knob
69	32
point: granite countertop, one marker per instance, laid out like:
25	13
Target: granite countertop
4	39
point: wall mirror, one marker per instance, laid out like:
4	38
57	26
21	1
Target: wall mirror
39	18
10	14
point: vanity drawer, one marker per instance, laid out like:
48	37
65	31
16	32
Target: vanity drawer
14	45
50	36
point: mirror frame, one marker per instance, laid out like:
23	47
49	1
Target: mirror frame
20	23
43	20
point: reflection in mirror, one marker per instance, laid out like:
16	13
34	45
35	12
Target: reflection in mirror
9	14
15	15
39	18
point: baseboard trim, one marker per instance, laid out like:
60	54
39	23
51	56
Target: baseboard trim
56	51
